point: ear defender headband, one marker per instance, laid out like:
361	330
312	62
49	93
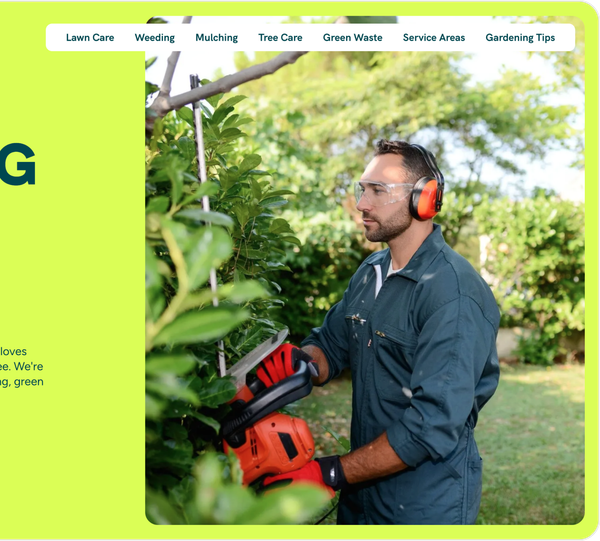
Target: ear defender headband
427	195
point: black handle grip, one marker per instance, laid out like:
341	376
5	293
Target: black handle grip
271	399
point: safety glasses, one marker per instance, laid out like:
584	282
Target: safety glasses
379	194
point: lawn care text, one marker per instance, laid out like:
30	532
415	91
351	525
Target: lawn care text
31	369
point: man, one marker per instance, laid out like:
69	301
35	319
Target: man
417	327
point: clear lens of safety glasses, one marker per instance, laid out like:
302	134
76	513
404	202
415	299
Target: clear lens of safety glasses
379	194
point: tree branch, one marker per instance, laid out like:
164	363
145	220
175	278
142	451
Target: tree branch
164	103
165	87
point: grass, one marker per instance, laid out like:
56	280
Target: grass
530	435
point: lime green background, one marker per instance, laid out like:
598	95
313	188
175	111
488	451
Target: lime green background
72	452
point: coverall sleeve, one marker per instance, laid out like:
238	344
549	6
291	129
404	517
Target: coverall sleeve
332	338
451	353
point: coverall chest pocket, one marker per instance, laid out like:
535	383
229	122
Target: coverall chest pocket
356	322
395	351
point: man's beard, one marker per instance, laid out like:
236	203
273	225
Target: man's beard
392	229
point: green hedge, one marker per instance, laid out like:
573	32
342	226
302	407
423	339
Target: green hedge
189	481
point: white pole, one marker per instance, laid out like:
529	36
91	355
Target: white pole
194	83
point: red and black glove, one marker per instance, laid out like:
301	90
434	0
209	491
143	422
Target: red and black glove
325	472
282	363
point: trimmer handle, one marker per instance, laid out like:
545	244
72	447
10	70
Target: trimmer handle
265	402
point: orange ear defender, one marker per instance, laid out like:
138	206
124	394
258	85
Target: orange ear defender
427	195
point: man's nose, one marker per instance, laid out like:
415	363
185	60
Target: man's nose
363	204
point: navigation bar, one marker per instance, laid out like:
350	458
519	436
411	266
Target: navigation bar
311	37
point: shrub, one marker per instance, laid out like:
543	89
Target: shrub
536	266
240	237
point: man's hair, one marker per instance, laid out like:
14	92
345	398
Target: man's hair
414	163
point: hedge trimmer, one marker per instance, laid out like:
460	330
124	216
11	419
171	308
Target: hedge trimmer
265	441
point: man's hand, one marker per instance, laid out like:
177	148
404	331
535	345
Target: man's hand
318	355
372	461
282	363
324	472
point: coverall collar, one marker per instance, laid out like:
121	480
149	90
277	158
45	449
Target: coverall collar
421	259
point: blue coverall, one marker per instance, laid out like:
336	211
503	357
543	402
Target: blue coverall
421	346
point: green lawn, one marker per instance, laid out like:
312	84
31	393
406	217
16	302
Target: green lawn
530	436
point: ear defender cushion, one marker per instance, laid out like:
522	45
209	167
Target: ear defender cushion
422	199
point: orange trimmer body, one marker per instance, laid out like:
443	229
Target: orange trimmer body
276	444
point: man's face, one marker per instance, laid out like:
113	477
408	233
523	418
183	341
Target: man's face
384	223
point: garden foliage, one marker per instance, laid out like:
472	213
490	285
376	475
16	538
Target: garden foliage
320	118
188	479
536	265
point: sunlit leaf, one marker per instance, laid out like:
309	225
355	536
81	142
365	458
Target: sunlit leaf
185	113
170	364
215	218
249	162
209	324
